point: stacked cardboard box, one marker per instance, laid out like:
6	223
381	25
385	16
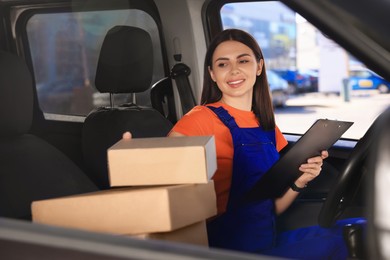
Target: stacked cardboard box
161	189
193	234
163	160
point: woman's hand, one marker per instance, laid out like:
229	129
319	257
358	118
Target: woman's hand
127	135
311	169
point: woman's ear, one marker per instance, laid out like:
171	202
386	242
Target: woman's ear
260	67
211	74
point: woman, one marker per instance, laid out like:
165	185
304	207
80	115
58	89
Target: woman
235	79
237	109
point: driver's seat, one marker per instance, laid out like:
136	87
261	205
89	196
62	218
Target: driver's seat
362	160
378	229
31	168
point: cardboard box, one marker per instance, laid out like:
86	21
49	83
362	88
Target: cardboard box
130	210
162	161
195	234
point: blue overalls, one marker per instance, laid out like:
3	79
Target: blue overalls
248	227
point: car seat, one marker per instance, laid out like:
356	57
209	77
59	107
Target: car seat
31	168
125	66
378	208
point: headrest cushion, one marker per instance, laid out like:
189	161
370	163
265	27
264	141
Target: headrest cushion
126	61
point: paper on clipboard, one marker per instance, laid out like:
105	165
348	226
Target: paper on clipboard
320	136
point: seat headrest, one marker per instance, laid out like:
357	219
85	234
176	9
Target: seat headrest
126	61
16	95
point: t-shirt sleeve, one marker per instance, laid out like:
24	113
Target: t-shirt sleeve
281	141
195	123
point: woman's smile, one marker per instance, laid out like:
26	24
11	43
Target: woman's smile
236	83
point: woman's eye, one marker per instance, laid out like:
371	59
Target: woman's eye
244	61
221	65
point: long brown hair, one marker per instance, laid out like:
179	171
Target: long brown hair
261	101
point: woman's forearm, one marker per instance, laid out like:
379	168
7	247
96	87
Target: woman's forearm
281	204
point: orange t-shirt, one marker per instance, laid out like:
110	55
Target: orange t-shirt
201	121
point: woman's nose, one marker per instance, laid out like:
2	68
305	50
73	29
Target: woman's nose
234	70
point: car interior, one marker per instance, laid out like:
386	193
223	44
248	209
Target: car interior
147	68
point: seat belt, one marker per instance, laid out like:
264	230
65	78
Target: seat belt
180	73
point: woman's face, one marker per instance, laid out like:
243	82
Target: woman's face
234	69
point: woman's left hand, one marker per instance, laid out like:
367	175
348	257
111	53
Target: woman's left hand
311	169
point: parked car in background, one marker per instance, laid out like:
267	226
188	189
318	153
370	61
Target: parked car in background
298	82
279	88
312	75
365	79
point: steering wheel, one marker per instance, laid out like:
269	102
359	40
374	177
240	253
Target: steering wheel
347	184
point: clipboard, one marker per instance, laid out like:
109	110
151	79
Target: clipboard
276	181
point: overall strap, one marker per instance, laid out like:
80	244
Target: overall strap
229	121
271	134
224	116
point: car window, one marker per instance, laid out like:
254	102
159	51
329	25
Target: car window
318	71
65	50
360	73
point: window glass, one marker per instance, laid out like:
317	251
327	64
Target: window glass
324	81
65	50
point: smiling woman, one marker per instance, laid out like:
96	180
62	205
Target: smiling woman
235	81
